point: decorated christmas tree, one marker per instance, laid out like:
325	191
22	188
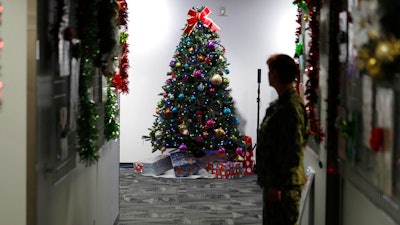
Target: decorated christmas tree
196	112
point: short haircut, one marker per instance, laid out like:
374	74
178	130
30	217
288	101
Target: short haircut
285	66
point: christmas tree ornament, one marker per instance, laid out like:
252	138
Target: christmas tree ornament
226	81
216	80
239	151
219	132
227	111
221	151
182	147
197	74
200	87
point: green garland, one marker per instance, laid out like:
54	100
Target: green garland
108	49
89	54
111	125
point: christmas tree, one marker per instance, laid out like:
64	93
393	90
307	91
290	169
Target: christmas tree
197	112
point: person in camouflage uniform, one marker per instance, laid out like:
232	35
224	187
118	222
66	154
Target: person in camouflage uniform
283	135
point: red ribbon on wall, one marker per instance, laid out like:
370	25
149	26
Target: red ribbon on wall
194	17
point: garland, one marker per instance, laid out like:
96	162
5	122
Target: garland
313	7
120	80
89	49
108	43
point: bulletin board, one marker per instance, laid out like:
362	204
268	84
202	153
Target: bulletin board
368	116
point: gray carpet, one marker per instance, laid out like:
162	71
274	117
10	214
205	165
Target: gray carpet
148	200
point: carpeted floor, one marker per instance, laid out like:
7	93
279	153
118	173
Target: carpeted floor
149	200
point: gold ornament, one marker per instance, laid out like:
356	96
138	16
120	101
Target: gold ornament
373	34
305	17
238	158
384	51
219	132
373	67
216	80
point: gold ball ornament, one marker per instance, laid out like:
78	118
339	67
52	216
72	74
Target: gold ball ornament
216	80
373	34
373	67
384	51
219	132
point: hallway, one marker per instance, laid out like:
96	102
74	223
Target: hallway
147	200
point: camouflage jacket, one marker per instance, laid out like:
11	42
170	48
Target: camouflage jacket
283	135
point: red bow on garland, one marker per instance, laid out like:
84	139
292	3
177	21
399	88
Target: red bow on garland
194	17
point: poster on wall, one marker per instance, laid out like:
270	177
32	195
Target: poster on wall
384	119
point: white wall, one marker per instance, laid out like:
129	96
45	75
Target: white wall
357	209
87	195
13	115
251	31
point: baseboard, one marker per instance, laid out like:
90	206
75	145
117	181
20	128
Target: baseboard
125	165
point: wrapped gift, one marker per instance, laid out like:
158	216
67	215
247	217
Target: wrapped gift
248	163
184	164
156	165
138	167
225	170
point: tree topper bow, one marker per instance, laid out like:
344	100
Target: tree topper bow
194	17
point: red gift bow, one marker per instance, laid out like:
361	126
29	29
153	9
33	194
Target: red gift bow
195	16
248	141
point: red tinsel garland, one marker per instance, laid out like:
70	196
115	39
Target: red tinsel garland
120	80
312	85
123	12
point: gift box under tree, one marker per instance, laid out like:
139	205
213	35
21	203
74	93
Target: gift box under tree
248	163
248	155
184	164
138	167
225	170
155	165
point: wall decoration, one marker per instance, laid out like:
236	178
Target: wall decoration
87	33
101	50
376	38
384	111
308	15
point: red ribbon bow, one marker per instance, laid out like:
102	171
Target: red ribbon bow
194	17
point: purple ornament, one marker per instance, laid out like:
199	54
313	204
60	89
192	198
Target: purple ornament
209	124
197	73
239	151
182	148
211	45
221	151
